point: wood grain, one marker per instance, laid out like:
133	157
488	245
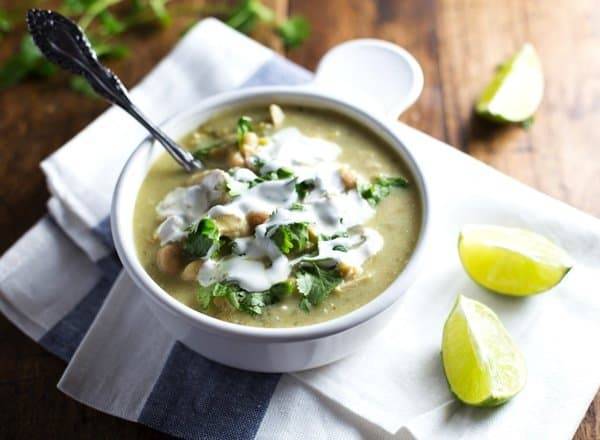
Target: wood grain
458	43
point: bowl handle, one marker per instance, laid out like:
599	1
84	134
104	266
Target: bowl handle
373	74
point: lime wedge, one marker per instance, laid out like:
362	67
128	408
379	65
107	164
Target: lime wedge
511	261
516	90
482	364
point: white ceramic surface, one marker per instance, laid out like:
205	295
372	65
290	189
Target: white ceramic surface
370	82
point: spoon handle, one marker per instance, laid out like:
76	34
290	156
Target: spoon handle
63	42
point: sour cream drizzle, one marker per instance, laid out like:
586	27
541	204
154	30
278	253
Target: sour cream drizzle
328	208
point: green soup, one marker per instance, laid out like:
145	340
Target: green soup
310	220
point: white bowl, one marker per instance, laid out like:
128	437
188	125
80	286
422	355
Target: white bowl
283	349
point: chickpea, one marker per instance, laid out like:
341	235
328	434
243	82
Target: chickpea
256	218
349	178
232	226
190	272
277	115
250	139
169	259
235	159
347	271
197	178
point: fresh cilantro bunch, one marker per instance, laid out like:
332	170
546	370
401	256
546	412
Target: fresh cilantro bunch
105	21
380	188
101	25
293	31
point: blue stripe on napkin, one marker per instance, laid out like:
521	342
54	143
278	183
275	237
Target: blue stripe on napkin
103	232
66	335
195	398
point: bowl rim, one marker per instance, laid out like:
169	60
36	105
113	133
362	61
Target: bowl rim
379	125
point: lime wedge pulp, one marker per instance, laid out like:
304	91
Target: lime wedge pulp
482	364
515	92
511	261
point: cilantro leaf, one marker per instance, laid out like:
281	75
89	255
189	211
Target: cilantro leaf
252	303
315	282
202	239
27	62
109	50
341	234
290	238
294	31
159	8
80	85
208	147
380	188
111	25
304	187
244	125
249	12
235	188
5	23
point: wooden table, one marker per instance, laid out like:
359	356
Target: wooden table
458	43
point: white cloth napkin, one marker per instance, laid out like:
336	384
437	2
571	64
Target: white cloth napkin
125	364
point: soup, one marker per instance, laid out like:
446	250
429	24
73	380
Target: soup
299	217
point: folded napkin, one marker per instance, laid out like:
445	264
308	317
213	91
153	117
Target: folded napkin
81	307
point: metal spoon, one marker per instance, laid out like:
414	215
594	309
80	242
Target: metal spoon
63	42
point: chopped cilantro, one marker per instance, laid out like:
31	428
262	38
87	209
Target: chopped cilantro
235	188
284	173
334	236
282	289
315	282
244	125
202	239
380	188
292	238
340	248
280	173
304	187
252	303
206	148
297	207
258	163
224	248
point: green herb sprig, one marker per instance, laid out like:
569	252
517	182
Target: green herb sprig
315	281
249	13
202	239
292	238
252	303
380	188
106	20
